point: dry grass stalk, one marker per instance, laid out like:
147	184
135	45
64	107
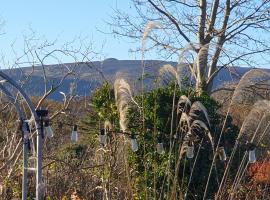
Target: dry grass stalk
252	78
258	116
169	69
123	95
198	108
148	28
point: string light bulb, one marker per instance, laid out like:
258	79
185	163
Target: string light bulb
160	147
102	137
190	150
222	154
134	144
251	148
48	129
74	134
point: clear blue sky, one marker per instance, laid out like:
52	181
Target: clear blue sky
62	20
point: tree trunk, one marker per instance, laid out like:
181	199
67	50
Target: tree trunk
201	70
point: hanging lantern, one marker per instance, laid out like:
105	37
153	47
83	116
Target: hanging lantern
251	152
160	148
48	129
134	144
222	154
74	134
102	137
190	151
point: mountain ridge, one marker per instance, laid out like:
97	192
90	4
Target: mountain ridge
90	75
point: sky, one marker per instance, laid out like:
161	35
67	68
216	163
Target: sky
61	20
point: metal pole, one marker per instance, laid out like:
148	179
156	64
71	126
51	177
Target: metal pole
39	162
25	161
40	187
25	140
39	140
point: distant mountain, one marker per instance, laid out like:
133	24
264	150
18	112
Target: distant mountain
90	75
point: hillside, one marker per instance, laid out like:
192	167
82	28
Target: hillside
90	75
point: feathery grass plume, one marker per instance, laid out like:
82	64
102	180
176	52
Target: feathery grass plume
198	111
185	119
183	53
169	69
183	104
254	127
183	59
196	128
148	28
251	88
255	123
253	130
239	99
123	98
254	77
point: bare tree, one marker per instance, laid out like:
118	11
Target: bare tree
38	55
219	33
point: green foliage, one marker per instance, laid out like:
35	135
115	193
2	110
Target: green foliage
103	102
156	175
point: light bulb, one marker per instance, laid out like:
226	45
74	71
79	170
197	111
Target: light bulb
48	129
74	134
222	154
252	156
160	148
134	144
190	151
